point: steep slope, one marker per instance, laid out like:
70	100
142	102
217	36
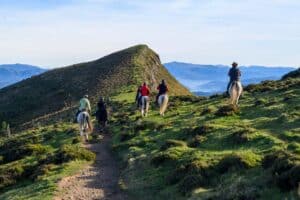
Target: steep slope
60	89
205	149
12	73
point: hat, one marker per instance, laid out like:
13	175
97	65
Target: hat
86	96
235	64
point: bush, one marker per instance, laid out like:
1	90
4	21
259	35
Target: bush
259	102
148	125
243	135
126	136
196	141
192	168
36	149
227	110
237	161
10	174
191	182
285	169
201	130
172	154
238	189
71	152
172	143
41	171
77	140
207	110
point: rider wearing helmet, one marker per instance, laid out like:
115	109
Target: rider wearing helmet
162	89
234	75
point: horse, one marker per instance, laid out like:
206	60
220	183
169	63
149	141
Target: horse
84	122
235	92
163	103
145	102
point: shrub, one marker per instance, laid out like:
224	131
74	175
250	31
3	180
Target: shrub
36	149
73	152
201	130
259	102
207	110
239	189
192	168
270	158
126	136
10	174
237	161
148	125
196	141
172	143
191	182
294	147
41	171
243	135
227	110
77	140
285	169
172	154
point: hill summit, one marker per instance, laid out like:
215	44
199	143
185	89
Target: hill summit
60	89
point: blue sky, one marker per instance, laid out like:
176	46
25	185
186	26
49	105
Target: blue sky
54	33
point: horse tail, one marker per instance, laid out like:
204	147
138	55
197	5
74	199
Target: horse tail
89	123
165	100
233	92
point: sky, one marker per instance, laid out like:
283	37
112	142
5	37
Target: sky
55	33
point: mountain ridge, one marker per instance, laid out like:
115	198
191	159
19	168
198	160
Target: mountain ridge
61	88
12	73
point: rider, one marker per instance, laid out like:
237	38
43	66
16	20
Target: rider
138	95
234	74
162	89
145	91
101	113
84	105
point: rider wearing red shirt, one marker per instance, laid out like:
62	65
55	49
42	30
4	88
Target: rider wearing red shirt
145	90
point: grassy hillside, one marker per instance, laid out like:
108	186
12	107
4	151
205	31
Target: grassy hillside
32	162
44	146
205	149
57	91
202	148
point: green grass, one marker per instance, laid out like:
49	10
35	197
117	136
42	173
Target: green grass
42	156
157	148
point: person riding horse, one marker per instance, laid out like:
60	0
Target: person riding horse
234	74
138	96
162	89
145	92
84	105
101	113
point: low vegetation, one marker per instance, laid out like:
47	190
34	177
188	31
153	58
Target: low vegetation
206	149
34	160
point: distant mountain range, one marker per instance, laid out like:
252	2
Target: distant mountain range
12	73
210	79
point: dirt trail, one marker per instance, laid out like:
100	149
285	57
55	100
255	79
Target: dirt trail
96	182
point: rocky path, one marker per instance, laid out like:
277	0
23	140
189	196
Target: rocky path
96	182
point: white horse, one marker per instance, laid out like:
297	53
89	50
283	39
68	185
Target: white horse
145	102
235	92
85	125
163	103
